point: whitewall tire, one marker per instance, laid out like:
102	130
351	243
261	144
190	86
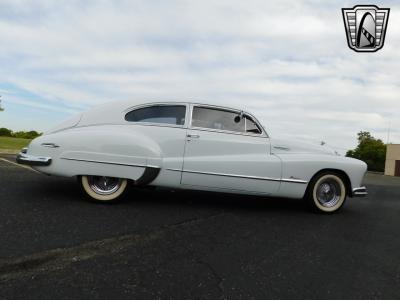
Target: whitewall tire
326	193
102	188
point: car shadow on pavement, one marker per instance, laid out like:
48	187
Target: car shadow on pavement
216	200
68	190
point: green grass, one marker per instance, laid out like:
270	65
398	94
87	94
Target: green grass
10	143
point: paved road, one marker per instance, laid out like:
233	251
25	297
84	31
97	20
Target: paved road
191	245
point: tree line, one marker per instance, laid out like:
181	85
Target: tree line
370	150
19	134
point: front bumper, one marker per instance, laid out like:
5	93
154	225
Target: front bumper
31	160
360	192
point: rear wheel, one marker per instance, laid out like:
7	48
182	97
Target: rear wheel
103	188
326	193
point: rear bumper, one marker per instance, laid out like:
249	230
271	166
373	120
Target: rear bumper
360	192
31	160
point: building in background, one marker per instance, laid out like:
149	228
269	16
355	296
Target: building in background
392	164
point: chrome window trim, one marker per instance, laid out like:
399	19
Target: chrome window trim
228	132
192	105
157	124
241	176
188	117
132	108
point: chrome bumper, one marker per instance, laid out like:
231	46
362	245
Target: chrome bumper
26	159
360	192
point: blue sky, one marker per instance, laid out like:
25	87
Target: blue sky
286	61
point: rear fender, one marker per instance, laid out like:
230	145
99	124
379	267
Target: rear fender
115	151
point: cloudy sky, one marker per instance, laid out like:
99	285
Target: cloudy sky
285	61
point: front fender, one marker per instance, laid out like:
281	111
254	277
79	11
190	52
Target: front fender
305	166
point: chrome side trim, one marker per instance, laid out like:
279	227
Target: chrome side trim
108	162
281	148
232	175
294	180
172	169
360	192
30	160
243	176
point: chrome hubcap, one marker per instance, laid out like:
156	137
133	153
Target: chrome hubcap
328	193
104	185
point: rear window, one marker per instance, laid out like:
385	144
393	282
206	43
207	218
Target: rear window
162	114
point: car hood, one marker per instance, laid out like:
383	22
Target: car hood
279	146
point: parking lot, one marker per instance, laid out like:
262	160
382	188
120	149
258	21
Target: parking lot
193	245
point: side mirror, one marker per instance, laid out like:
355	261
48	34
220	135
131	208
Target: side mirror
238	118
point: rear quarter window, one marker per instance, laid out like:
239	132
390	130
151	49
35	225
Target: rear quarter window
161	114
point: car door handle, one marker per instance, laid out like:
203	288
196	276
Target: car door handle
193	136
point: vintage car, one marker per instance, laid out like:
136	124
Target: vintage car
190	146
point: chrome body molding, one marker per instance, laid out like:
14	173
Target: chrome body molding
242	176
107	162
360	192
172	169
281	148
294	180
31	160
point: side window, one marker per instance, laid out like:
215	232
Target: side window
163	114
251	126
217	119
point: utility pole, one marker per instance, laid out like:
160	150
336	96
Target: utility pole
388	134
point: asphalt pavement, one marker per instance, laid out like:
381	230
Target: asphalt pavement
161	244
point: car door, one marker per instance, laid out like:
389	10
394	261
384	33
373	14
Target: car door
160	136
228	150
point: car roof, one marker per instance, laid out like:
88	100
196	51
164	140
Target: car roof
111	112
131	104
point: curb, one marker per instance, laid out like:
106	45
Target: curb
4	151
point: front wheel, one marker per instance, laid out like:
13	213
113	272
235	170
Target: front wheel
102	188
326	193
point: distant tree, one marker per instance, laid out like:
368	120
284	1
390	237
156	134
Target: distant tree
32	134
5	132
19	134
370	150
26	135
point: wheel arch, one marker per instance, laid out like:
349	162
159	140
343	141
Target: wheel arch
342	174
